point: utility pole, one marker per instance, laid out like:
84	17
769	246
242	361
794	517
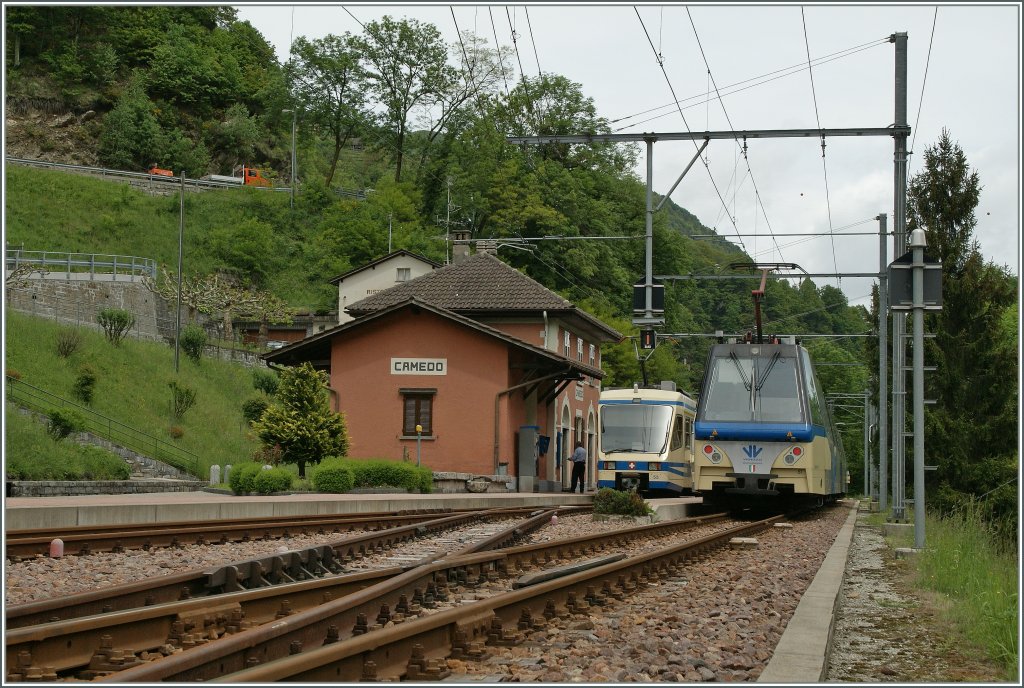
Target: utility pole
899	319
917	244
294	115
181	234
389	232
883	365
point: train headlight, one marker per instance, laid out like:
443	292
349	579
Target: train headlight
716	457
793	455
609	465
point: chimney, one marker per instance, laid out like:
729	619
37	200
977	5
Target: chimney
487	246
460	244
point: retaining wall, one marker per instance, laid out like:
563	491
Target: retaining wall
62	488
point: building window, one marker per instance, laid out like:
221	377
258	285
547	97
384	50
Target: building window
566	341
403	274
593	351
579	349
417	409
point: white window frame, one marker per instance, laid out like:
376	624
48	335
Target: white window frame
567	344
593	352
579	349
403	274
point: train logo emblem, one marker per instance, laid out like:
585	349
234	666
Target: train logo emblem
752	451
632	465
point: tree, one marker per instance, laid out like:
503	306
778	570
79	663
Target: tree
330	87
131	133
407	66
972	428
300	420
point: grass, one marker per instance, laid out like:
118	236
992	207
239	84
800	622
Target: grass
30	454
132	387
963	561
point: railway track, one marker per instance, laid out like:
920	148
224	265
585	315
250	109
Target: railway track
23	544
221	635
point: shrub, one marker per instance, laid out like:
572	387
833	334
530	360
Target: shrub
269	480
268	456
243	477
116	323
192	340
384	473
67	341
183	398
622	503
265	381
63	422
85	384
176	432
13	374
253	408
333	475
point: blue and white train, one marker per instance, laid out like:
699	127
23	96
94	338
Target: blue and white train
763	430
646	440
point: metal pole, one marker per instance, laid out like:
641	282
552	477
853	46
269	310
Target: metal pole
917	243
867	443
649	233
419	434
900	247
883	367
389	232
294	116
181	234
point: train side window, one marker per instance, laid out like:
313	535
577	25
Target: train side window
689	433
677	434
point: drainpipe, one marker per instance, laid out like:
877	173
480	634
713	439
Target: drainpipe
497	409
545	314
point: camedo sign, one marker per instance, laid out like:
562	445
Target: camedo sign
419	366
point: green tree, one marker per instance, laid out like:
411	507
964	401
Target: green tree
972	428
300	420
131	134
330	87
407	66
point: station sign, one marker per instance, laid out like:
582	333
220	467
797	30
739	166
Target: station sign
419	366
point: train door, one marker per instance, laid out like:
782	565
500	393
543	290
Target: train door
566	470
591	452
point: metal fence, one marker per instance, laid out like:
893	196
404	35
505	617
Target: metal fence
138	441
91	264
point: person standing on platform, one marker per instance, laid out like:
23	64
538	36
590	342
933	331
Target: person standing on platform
579	466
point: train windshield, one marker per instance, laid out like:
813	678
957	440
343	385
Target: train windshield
753	388
639	428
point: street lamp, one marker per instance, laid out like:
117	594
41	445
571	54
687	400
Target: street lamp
419	433
294	114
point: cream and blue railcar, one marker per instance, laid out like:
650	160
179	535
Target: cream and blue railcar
763	429
646	440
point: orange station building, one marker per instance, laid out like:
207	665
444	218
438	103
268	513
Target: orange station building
499	372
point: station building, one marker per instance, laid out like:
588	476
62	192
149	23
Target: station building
480	356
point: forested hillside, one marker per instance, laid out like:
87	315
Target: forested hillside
193	89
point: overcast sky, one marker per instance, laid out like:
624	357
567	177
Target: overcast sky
972	88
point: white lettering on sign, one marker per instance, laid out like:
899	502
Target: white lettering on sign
419	366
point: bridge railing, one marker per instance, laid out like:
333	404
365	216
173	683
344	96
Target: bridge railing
81	263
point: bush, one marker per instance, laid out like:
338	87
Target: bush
176	432
13	374
183	398
63	422
383	473
333	475
621	503
243	477
265	381
192	340
268	480
268	456
85	384
253	408
116	323
67	341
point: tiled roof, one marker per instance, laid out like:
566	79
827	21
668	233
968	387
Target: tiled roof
480	282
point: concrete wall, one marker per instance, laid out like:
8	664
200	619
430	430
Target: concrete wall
55	488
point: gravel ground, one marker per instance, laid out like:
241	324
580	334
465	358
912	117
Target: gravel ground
719	621
888	631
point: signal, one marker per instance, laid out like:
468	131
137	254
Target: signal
648	339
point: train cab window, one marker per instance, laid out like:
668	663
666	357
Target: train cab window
678	434
778	397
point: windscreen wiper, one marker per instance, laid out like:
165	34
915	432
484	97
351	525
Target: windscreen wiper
743	376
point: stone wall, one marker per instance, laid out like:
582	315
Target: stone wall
77	301
448	482
57	488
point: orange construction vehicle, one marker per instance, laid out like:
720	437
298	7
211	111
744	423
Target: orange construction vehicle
157	171
250	177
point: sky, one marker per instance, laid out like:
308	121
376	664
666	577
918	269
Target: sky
963	75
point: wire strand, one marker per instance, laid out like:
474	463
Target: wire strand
931	40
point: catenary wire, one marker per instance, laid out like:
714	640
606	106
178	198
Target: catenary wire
824	165
925	79
497	47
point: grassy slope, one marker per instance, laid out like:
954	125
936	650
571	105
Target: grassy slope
132	386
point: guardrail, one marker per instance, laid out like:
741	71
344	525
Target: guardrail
81	263
33	397
161	179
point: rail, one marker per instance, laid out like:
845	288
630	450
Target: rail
33	397
161	179
81	263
